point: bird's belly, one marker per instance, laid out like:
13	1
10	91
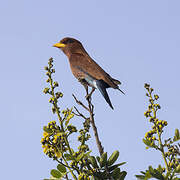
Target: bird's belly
91	82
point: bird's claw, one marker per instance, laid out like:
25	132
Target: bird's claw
88	97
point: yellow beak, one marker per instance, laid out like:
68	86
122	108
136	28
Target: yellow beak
59	45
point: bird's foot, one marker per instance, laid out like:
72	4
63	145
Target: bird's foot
88	96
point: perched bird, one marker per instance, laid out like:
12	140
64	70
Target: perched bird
85	69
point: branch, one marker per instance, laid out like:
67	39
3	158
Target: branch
90	109
80	103
91	112
79	114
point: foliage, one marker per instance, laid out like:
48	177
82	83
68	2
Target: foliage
79	163
153	139
74	162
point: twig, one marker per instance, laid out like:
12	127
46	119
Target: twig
98	142
79	114
80	103
90	109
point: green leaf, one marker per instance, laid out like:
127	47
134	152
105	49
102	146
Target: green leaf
116	173
69	117
103	159
140	176
55	173
80	156
120	164
142	172
67	122
93	161
160	169
151	170
148	175
87	154
72	150
122	175
111	168
177	132
98	158
155	173
61	168
149	143
178	169
113	158
69	157
168	174
47	129
176	136
53	178
158	175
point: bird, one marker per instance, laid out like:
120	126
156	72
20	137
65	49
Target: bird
85	69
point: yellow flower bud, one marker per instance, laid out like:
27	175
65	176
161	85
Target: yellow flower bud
153	138
160	126
47	138
45	134
58	154
45	149
146	135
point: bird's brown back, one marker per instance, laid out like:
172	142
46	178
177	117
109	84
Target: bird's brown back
83	61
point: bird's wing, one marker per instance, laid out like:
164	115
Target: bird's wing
82	65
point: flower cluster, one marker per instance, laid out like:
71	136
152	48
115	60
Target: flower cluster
67	115
84	136
151	113
153	139
53	84
169	151
53	142
173	153
83	176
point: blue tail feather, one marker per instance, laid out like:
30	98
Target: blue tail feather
102	88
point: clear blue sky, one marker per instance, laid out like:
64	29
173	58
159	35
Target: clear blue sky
134	41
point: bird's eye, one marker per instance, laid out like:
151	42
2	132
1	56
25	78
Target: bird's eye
68	41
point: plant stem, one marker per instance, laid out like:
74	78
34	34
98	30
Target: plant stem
69	168
58	114
162	149
62	128
159	136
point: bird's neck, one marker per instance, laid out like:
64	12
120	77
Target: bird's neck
80	52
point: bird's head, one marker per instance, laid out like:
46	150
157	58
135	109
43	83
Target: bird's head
69	46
